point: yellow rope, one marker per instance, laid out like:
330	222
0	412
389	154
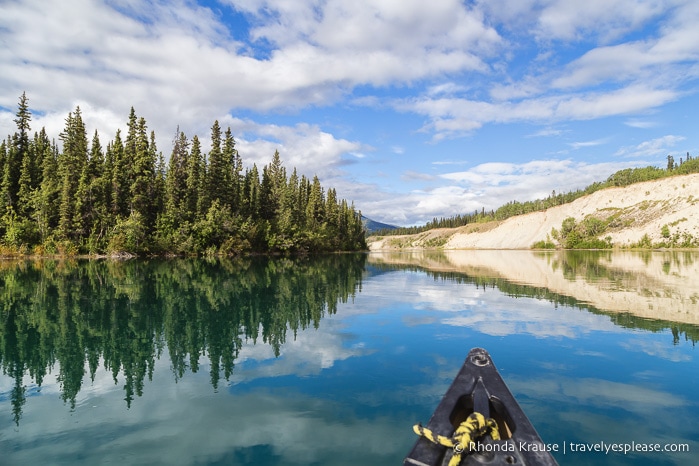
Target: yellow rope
474	427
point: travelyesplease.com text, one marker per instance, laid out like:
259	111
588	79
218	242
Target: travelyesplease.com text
576	447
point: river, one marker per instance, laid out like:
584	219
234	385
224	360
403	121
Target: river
330	360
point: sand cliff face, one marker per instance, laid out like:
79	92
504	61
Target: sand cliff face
640	209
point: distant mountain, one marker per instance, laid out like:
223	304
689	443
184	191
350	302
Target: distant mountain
372	226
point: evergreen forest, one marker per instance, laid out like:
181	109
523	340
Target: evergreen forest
85	197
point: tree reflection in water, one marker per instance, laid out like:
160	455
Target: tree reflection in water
73	315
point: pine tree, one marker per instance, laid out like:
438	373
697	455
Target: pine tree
176	179
315	209
17	151
142	191
332	218
70	166
268	203
251	194
24	116
3	156
272	188
10	178
40	147
90	206
119	176
160	174
24	193
292	217
233	172
302	200
126	199
46	199
216	176
194	193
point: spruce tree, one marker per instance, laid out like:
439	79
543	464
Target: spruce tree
24	116
142	191
70	166
17	151
233	172
268	202
216	188
46	199
90	205
160	174
194	193
119	176
176	179
125	198
315	209
251	194
24	193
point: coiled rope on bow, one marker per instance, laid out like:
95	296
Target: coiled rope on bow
474	427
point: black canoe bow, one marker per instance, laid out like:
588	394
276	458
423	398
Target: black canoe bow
479	388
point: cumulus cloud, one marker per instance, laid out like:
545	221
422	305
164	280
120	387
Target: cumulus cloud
607	19
402	28
611	79
449	117
487	185
654	147
534	177
304	146
454	68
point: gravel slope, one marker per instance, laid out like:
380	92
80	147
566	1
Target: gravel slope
640	209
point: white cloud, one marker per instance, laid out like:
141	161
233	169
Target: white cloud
412	175
177	64
618	79
546	132
641	124
458	66
450	162
307	147
488	185
403	28
607	19
181	60
456	116
654	147
583	144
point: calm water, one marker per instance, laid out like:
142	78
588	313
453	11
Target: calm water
331	360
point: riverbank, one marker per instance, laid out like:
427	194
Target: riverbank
643	214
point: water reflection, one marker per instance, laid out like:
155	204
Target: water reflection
350	352
75	316
646	290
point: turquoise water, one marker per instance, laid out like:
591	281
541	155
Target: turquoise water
331	360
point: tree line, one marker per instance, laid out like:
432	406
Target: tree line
623	177
88	198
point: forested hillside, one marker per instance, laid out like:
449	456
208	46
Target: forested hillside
85	197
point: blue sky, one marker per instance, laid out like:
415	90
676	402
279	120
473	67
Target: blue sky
412	109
